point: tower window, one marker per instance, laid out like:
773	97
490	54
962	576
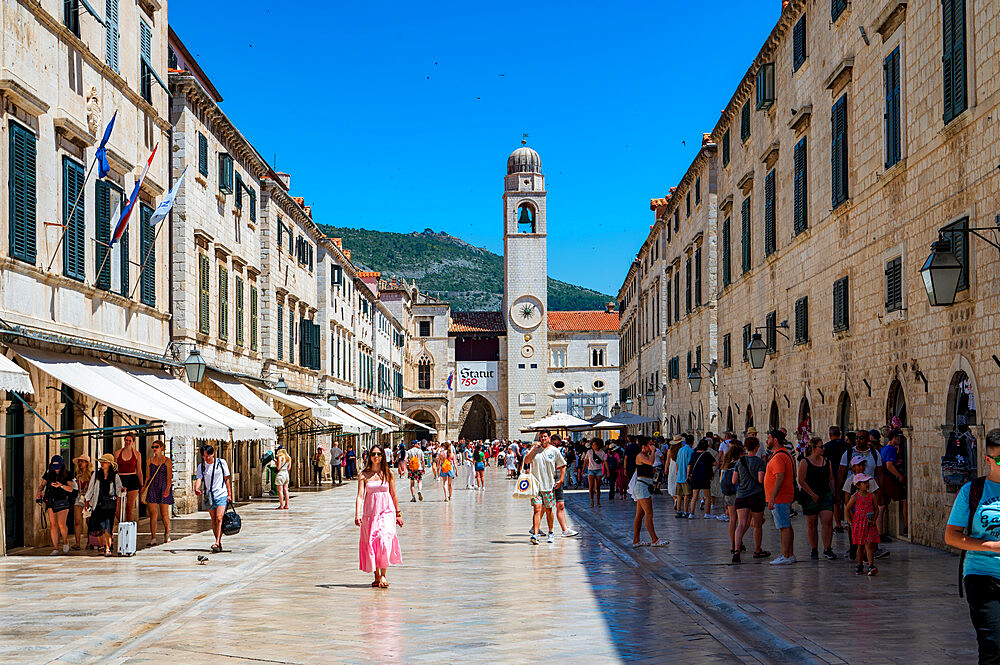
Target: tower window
525	218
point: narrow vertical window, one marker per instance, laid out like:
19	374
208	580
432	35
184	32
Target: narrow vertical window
253	317
281	332
799	43
145	58
745	233
147	256
74	221
894	285
954	59
697	277
771	330
687	285
841	319
223	303
745	121
893	143
22	189
838	151
726	253
770	244
204	296
725	148
106	196
111	34
800	216
837	8
239	311
202	154
802	320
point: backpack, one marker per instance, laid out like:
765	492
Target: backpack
728	487
976	488
446	466
414	463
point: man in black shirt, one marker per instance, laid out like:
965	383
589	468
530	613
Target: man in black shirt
833	451
632	451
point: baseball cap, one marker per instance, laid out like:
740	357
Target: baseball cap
858	459
860	478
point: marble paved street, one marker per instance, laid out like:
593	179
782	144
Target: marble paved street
472	589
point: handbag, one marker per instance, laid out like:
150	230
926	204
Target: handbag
526	486
144	493
231	521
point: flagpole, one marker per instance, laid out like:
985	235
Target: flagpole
143	266
72	211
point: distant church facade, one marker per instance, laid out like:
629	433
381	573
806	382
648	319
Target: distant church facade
488	374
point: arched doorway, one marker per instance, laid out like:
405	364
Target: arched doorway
423	417
749	418
804	428
895	406
729	419
773	419
14	480
961	419
845	413
478	420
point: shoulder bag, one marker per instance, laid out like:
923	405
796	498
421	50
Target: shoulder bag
231	521
144	494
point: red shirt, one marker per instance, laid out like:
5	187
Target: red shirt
780	462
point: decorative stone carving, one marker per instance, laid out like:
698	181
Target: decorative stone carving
93	111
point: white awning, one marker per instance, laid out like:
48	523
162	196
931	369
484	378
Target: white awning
149	394
13	378
557	421
299	402
348	422
364	415
246	398
399	415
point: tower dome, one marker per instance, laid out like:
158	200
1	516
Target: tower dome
524	160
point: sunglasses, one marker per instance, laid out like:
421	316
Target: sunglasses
996	459
380	455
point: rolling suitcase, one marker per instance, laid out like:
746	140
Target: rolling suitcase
127	532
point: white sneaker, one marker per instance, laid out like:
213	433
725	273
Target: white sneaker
708	516
569	533
692	516
723	518
66	548
551	538
782	560
660	543
54	553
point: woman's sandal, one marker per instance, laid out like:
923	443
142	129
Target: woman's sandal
384	584
107	552
374	584
216	549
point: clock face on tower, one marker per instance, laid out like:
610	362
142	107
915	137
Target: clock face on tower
526	312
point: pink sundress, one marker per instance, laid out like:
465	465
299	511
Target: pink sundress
378	547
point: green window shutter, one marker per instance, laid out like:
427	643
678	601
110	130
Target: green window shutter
697	190
770	244
894	285
677	296
725	148
124	267
253	203
697	277
960	248
841	320
225	173
291	335
800	215
838	151
953	58
239	311
238	192
669	311
687	285
253	317
771	330
745	231
202	154
204	294
147	256
726	255
112	34
22	189
74	221
102	233
802	320
837	8
747	336
799	43
281	333
688	208
223	303
893	143
145	56
316	364
745	121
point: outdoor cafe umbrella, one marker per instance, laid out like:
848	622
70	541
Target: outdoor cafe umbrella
623	420
557	421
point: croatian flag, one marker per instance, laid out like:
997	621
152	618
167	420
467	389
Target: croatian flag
167	203
451	377
127	210
103	168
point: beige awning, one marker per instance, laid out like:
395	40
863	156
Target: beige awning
249	400
13	378
298	402
364	415
419	424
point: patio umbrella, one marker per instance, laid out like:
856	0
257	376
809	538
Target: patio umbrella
557	421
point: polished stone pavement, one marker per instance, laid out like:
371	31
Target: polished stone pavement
471	589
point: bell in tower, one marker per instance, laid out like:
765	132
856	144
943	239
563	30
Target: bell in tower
525	219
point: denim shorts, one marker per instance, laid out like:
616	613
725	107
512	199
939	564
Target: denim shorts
642	490
213	501
782	514
594	472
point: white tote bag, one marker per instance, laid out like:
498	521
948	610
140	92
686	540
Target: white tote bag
526	486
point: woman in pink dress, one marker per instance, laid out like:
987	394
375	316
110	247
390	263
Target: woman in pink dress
377	513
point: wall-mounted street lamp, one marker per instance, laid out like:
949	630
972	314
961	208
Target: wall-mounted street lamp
281	386
942	270
616	409
333	400
650	395
695	378
628	404
757	350
194	365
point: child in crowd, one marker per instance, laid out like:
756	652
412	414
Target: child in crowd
861	511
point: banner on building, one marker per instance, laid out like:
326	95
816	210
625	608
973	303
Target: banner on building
476	377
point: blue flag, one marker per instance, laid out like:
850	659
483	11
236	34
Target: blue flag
103	168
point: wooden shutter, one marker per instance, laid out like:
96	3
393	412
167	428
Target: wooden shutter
953	58
147	257
745	121
223	303
960	248
800	214
802	320
239	311
203	294
894	285
687	285
225	173
74	220
747	335
838	150
281	333
316	348
837	8
111	33
123	251
745	221
238	192
726	255
102	233
841	320
799	43
145	56
771	328
304	341
725	148
769	232
22	187
253	203
727	350
202	154
697	277
890	69
253	317
677	295
291	335
669	312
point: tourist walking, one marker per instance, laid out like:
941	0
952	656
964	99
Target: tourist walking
415	471
862	513
318	463
750	503
816	481
595	459
701	468
643	494
511	462
833	451
779	487
376	511
336	464
447	465
56	491
670	459
84	470
479	460
973	528
212	478
158	493
102	499
130	469
283	464
727	485
894	478
612	469
558	491
545	460
684	454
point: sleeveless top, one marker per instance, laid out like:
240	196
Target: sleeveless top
644	470
127	466
818	477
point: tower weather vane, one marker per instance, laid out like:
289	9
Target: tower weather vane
524	139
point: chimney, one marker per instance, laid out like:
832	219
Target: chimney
610	306
285	179
347	253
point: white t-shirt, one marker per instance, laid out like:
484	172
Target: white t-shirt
657	458
544	465
414	452
214	477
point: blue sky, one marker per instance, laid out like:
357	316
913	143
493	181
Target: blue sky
400	116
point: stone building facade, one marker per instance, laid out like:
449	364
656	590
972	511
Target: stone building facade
842	155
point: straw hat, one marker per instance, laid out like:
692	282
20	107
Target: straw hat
83	458
678	438
110	459
751	431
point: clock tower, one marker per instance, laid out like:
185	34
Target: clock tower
525	290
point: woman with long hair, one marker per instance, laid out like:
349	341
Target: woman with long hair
675	446
376	511
56	491
446	466
816	480
595	458
84	469
281	480
159	492
728	487
644	497
129	468
102	498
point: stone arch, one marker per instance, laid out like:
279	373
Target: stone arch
895	405
749	421
803	426
478	418
729	418
961	364
773	416
527	217
425	371
845	412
